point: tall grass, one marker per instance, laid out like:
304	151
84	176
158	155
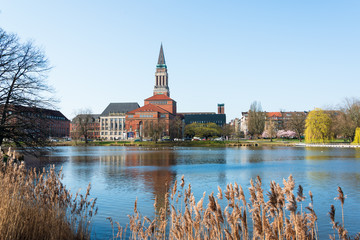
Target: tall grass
36	205
281	216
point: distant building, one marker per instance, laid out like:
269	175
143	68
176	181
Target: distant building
279	118
112	120
235	124
206	117
158	109
92	126
52	122
244	123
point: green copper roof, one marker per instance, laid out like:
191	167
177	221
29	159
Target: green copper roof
161	66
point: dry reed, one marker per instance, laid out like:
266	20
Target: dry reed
36	205
275	219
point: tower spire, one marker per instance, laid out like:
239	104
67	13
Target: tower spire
161	59
161	75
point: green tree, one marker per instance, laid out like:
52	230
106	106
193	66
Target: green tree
357	136
203	130
318	127
256	119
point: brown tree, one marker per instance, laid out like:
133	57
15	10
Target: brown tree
296	123
227	131
271	129
347	119
176	127
23	91
83	124
154	129
256	119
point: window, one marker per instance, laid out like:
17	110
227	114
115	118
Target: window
159	102
163	115
146	116
130	116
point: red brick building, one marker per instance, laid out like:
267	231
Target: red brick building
47	122
158	110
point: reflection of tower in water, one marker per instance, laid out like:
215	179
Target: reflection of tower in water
151	168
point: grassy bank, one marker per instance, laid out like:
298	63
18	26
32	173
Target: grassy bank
239	143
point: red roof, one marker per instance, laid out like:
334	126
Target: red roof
274	114
159	97
149	108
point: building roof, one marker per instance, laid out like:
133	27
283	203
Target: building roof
149	108
274	114
119	108
158	97
94	116
161	60
41	111
197	113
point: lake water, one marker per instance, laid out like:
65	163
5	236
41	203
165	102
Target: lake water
119	175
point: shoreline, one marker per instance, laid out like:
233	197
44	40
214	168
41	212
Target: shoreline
247	143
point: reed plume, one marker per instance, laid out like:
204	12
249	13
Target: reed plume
341	197
276	218
36	205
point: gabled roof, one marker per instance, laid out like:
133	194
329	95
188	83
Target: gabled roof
158	97
149	108
119	108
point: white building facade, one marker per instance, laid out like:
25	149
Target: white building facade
112	121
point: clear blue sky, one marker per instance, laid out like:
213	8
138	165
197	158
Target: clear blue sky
290	55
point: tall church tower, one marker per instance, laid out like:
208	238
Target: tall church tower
161	76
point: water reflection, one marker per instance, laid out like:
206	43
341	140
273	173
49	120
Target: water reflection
151	169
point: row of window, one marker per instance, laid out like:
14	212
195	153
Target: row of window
206	122
146	116
111	133
159	102
112	119
112	128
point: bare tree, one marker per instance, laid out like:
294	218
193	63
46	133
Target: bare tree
347	119
227	131
271	129
296	123
23	91
176	127
256	119
154	129
83	124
